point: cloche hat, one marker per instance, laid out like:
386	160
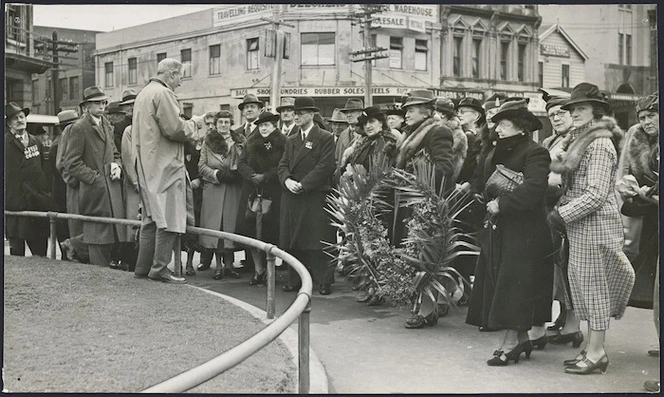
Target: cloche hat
470	102
266	117
651	103
371	112
518	108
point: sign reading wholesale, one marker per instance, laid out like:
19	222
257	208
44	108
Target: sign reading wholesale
407	16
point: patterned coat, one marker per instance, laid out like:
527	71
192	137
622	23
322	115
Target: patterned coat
600	275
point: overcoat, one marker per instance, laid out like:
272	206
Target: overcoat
158	134
600	275
262	157
24	173
89	153
304	224
221	197
132	197
75	226
514	273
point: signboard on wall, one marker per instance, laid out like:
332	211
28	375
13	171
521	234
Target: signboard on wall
554	50
407	16
320	91
239	13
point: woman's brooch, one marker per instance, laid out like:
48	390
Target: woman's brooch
268	145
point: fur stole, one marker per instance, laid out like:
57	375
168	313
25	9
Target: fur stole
569	160
410	144
460	145
638	154
217	143
362	144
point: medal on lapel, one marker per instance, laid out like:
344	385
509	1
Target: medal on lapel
31	151
308	144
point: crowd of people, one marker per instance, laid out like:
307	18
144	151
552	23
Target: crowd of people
547	217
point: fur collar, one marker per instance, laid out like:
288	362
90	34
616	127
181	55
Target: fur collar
217	143
460	144
570	159
410	144
639	152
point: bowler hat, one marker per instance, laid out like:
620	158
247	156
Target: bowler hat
286	103
445	105
494	101
470	102
12	108
650	103
371	112
338	117
250	98
128	97
67	117
114	108
93	94
266	117
304	103
353	104
518	109
586	93
419	97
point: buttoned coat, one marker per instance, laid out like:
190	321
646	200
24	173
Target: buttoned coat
88	156
304	222
23	174
158	136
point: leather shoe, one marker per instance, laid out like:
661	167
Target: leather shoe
203	266
115	265
231	273
290	288
325	289
190	270
136	275
169	278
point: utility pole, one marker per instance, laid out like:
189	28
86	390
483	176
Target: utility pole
56	47
278	47
55	73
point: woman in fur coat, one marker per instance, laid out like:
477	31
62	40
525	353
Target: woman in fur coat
376	138
600	275
640	163
258	168
222	188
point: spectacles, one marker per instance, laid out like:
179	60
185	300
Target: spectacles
99	103
559	113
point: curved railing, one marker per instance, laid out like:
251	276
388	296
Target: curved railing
300	308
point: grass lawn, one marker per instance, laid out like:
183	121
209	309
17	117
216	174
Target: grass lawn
71	327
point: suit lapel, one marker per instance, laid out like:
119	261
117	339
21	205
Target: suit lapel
12	140
312	139
95	127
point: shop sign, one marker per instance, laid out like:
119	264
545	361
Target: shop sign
399	22
458	94
554	50
428	13
237	13
320	91
624	97
317	7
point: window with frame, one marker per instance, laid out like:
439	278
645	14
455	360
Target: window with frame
628	49
540	73
74	88
185	58
396	51
252	53
504	53
477	47
215	59
132	66
621	48
63	89
521	61
456	56
421	54
108	74
35	91
13	15
318	49
47	89
161	56
565	76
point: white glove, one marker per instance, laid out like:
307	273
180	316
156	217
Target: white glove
116	171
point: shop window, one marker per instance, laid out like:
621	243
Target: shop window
215	59
540	73
35	91
396	51
504	54
252	53
132	66
185	58
421	52
521	65
565	76
108	74
318	49
74	88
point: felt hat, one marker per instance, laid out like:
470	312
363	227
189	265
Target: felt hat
286	103
265	117
12	108
586	93
445	105
93	94
395	110
650	103
67	117
494	101
128	97
338	117
371	112
250	98
470	102
552	100
114	108
304	103
518	108
419	97
353	104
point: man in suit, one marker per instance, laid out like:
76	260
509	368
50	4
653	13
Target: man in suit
305	172
250	108
352	111
92	158
287	117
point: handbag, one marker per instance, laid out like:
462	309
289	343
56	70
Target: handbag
256	204
502	181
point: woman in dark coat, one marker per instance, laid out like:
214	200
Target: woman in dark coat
514	273
25	185
375	137
258	168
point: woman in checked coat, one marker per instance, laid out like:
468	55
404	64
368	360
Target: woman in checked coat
600	275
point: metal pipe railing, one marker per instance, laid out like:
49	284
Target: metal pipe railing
300	308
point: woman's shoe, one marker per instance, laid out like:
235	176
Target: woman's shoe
559	323
501	359
416	321
257	279
190	270
203	266
602	364
580	357
527	347
431	319
540	343
232	273
218	274
560	339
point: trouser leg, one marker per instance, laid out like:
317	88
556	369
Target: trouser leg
322	270
38	246
147	237
293	277
81	248
163	252
17	247
100	254
206	256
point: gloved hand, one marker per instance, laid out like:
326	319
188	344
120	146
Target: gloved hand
556	221
257	179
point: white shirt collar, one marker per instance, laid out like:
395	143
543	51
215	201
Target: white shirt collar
97	120
306	132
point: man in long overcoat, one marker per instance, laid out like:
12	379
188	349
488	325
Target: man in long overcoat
158	137
305	172
92	158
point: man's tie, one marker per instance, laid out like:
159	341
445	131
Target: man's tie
23	138
247	129
302	136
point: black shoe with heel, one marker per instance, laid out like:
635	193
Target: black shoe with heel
580	357
540	343
502	359
602	364
561	339
258	279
